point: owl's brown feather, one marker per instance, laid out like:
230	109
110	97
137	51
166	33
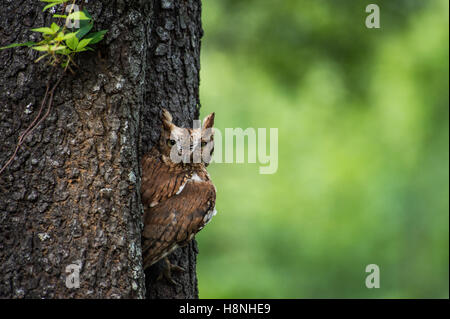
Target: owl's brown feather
178	201
178	197
160	179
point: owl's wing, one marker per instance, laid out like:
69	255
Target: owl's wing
175	221
159	180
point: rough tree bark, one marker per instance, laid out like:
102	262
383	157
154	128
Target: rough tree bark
72	193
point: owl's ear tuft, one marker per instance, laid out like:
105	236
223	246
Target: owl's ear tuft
166	119
208	122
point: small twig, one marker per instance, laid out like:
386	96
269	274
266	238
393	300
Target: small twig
21	137
10	159
33	125
50	102
28	129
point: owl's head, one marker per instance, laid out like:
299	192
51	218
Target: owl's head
186	145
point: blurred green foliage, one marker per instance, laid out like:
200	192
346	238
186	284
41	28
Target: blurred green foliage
363	171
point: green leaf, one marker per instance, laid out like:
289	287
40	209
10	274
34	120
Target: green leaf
53	3
78	15
85	28
14	45
83	43
54	27
44	30
48	6
87	13
96	36
72	43
65	51
40	47
59	16
57	47
59	37
69	35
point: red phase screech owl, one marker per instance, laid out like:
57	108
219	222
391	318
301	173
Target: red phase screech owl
177	193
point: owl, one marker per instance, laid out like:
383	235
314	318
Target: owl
177	192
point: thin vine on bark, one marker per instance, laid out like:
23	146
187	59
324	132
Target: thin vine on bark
60	47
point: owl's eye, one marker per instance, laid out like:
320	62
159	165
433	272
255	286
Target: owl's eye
204	143
171	142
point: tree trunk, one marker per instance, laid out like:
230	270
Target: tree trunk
172	82
71	196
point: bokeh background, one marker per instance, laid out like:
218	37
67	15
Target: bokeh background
363	171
